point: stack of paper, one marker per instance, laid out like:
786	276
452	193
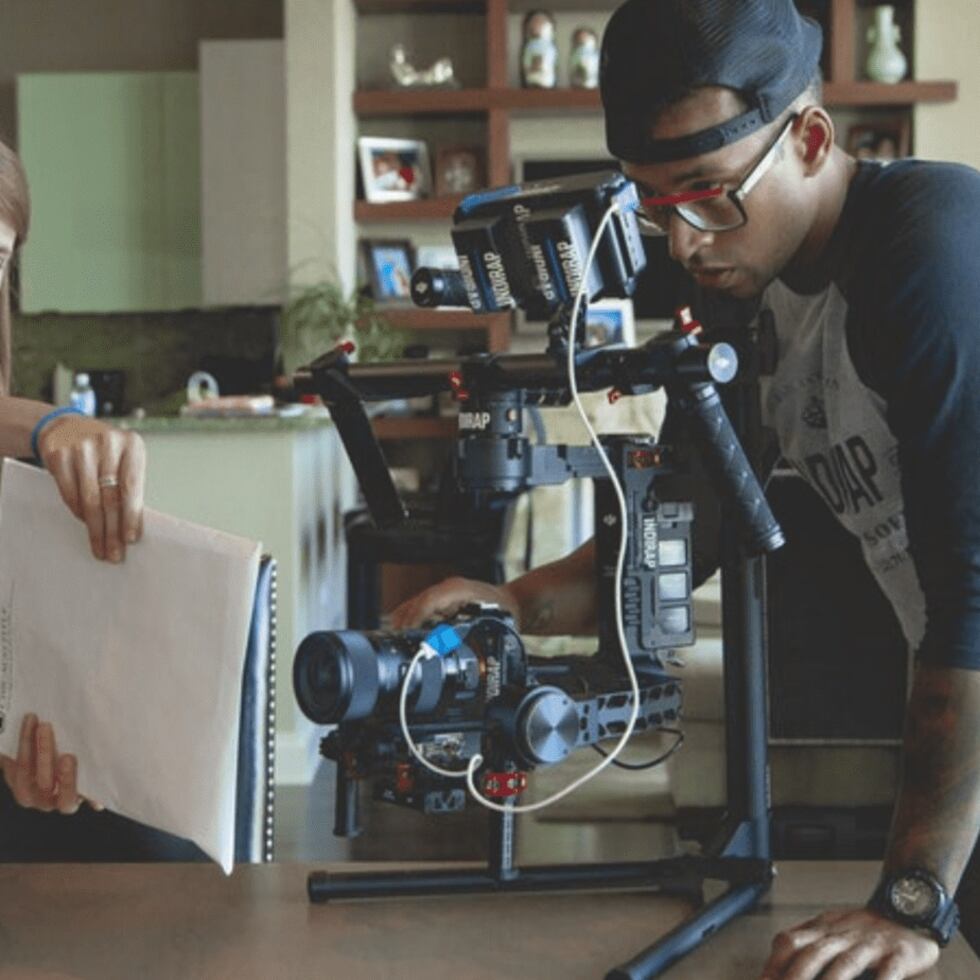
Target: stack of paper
138	666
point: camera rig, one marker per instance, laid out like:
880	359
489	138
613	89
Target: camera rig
550	247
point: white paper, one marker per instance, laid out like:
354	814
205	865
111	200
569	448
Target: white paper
137	665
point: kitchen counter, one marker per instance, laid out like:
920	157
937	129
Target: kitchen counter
254	423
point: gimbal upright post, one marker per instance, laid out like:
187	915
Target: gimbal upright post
744	832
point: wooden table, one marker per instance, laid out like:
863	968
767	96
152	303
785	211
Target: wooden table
187	922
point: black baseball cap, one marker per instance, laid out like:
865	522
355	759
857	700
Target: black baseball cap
656	51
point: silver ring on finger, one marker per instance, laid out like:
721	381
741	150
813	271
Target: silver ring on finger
108	482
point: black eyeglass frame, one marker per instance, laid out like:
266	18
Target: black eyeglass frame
674	203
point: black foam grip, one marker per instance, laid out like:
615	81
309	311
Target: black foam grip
726	461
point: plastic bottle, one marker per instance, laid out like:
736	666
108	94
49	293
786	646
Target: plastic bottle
82	396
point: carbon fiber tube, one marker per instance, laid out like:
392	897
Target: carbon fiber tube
726	460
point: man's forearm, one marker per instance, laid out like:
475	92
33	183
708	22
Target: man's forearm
938	809
559	598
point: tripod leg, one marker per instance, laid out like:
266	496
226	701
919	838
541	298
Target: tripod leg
689	934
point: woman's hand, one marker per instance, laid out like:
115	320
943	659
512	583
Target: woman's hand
39	778
100	472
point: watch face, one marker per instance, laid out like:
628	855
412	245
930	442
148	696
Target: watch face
913	897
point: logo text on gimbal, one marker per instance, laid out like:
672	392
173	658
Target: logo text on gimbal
474	420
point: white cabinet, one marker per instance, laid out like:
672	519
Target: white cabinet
243	172
286	484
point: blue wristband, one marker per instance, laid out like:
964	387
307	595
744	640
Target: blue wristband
44	420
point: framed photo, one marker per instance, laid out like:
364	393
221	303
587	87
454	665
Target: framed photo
394	170
389	264
610	321
884	140
459	170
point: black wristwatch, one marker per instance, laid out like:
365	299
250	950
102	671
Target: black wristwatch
915	898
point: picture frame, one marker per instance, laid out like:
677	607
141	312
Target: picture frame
884	140
610	321
459	170
389	264
394	169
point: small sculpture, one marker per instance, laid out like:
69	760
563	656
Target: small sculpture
439	74
583	63
539	53
886	63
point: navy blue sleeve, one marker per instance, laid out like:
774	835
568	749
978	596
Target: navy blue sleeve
916	337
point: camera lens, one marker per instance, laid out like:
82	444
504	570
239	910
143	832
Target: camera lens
335	677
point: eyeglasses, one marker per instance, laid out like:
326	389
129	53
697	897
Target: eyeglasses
712	209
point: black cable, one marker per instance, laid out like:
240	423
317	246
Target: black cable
637	766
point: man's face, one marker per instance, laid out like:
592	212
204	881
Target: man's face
741	262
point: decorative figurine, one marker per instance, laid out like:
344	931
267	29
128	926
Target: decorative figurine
886	63
583	63
539	53
438	75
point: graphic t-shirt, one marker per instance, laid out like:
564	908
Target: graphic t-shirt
875	399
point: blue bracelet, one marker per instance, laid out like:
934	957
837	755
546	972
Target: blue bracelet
44	420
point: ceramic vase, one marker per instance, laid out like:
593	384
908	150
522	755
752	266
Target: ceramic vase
886	63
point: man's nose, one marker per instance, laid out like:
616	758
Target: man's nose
685	241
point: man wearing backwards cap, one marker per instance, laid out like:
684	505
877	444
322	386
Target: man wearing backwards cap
714	108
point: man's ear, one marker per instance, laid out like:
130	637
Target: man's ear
817	129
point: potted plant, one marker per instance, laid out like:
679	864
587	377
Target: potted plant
320	315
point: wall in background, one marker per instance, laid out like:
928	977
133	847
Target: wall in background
320	135
117	35
946	34
157	351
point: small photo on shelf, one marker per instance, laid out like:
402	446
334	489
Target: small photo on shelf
610	321
459	170
394	170
389	264
884	141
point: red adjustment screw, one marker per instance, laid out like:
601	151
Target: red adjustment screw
456	385
500	785
685	321
346	347
404	779
614	395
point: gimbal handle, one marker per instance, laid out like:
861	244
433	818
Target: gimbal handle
728	465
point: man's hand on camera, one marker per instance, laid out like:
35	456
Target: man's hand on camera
39	778
447	597
100	473
844	944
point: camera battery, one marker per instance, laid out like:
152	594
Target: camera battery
481	244
559	240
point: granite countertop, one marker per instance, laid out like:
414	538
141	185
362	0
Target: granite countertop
256	423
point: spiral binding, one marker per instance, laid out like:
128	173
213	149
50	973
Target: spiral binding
269	816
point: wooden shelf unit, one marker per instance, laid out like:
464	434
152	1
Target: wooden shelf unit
394	428
498	101
519	100
428	209
496	326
